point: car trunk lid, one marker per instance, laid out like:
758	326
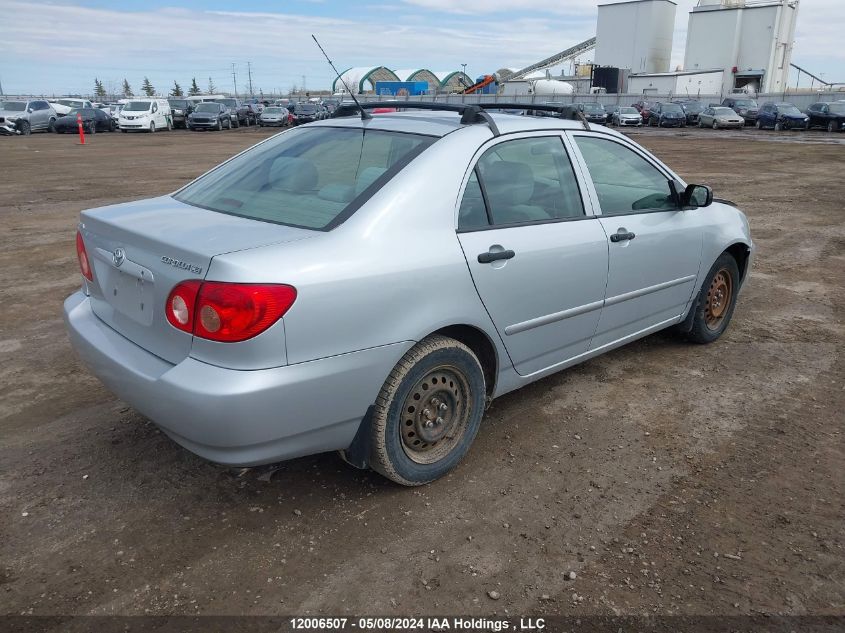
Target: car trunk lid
140	250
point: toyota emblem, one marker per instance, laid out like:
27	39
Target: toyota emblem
118	256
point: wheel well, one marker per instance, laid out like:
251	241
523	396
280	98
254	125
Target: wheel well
481	346
740	253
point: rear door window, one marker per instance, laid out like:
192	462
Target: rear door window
310	177
528	180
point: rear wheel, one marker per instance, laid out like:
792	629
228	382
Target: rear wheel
428	412
831	126
51	126
778	126
92	127
758	125
716	301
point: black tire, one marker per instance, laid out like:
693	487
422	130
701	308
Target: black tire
152	127
395	419
706	328
51	126
715	124
778	126
24	128
124	131
831	126
92	129
237	123
758	125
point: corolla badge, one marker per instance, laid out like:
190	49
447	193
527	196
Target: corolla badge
178	263
118	256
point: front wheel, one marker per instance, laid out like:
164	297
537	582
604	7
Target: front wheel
831	127
152	128
428	412
24	128
716	301
715	125
51	126
778	127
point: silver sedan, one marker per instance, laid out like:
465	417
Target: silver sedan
719	117
369	286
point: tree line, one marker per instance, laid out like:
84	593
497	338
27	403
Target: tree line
149	90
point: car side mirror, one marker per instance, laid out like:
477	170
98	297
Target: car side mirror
696	196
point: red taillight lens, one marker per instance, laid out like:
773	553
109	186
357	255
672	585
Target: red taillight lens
82	256
227	312
181	305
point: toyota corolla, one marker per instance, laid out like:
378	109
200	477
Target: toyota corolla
369	285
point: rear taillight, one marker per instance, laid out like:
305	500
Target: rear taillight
227	312
82	256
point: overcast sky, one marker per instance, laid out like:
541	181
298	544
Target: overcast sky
60	47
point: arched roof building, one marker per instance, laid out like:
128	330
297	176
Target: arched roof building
364	78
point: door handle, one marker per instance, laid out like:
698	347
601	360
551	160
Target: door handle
621	237
492	256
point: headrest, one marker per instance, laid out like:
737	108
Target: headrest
508	182
294	174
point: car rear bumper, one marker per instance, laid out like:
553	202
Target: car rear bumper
234	417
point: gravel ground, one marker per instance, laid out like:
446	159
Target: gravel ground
661	478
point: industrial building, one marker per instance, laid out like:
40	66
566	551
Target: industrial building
751	40
363	79
681	83
636	35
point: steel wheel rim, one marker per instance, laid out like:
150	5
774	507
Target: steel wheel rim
719	296
435	414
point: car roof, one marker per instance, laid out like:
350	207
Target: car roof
433	123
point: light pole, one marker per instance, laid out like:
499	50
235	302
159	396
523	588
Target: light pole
464	68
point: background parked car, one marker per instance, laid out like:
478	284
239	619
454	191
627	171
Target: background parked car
626	116
667	115
253	113
745	107
830	116
63	106
93	120
720	117
644	108
594	112
147	115
180	110
114	111
238	111
23	117
782	116
304	113
692	109
275	116
210	115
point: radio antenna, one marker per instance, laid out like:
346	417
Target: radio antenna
364	114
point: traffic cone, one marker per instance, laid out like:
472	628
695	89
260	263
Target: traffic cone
81	131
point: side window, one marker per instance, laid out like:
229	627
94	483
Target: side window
529	180
155	107
623	179
472	213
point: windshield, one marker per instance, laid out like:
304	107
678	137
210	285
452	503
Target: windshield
724	112
693	107
305	108
672	107
137	106
71	103
593	107
82	111
746	103
232	103
305	177
273	110
788	108
628	111
178	103
837	108
207	107
13	106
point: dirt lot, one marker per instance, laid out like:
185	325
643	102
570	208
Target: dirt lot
672	479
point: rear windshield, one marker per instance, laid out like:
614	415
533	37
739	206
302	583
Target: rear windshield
745	103
305	177
837	108
232	103
274	110
672	107
177	103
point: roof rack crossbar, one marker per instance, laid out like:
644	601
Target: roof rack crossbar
477	112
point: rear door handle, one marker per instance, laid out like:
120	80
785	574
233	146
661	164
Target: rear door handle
621	237
492	256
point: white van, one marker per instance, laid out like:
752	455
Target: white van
148	114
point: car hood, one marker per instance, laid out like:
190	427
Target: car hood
12	113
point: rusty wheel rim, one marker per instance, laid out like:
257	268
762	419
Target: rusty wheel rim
435	415
719	296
